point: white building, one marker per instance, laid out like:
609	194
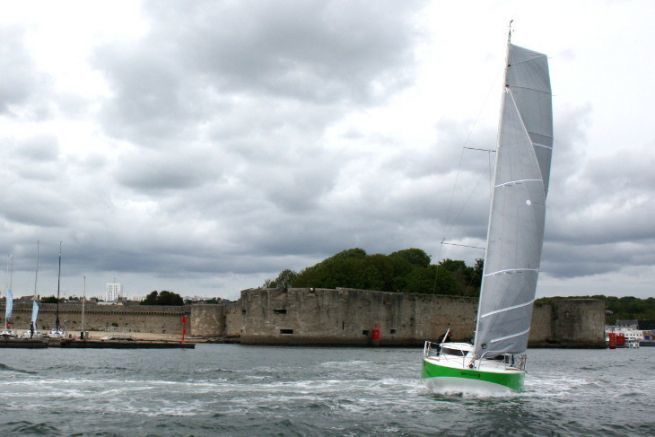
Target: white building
114	291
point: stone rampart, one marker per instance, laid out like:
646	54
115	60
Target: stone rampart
208	320
348	317
306	316
119	318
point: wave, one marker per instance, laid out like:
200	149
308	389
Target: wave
4	367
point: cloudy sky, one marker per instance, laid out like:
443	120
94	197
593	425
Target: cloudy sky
205	146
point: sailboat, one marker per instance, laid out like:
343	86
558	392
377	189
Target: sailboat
9	300
33	331
495	362
57	331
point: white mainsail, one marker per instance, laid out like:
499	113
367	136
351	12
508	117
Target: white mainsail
516	223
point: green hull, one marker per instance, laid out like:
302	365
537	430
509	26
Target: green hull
511	380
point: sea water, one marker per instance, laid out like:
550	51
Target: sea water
254	390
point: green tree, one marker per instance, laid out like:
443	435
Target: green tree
168	298
151	299
415	257
286	278
406	270
432	280
51	299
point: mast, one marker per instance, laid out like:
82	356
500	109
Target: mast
9	295
35	305
58	289
36	273
517	211
491	201
83	301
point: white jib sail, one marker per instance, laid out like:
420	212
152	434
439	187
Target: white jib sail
516	222
35	312
9	305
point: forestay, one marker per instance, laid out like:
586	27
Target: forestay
516	223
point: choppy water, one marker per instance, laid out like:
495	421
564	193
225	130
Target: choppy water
246	390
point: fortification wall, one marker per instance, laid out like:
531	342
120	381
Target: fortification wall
347	316
541	329
119	318
208	320
578	322
329	317
234	320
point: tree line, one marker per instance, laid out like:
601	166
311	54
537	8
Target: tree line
621	308
407	270
153	298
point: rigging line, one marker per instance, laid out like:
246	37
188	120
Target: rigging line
463	245
540	55
450	220
480	149
530	89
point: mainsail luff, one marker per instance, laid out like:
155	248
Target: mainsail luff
516	223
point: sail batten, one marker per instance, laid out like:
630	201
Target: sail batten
517	216
515	307
519	269
519	181
507	337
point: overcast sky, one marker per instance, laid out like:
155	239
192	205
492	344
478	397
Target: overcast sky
202	147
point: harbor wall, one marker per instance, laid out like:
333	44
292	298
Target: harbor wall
348	317
306	316
112	318
207	320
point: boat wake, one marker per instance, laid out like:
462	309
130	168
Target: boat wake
13	369
459	388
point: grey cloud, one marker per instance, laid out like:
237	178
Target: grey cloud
321	53
34	206
152	171
584	260
22	86
312	51
43	148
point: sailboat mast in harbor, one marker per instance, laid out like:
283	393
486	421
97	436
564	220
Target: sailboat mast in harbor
9	298
82	335
57	325
35	303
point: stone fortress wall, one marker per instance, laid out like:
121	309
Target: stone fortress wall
347	317
112	318
316	316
